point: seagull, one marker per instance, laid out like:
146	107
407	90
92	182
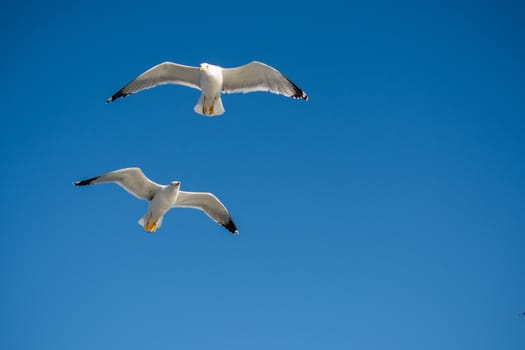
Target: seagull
212	80
163	197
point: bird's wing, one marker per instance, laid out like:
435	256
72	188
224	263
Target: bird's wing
164	73
132	180
209	204
257	76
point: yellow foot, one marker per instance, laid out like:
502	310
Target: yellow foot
204	110
150	227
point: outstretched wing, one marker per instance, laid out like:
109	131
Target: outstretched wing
257	76
132	180
164	73
209	204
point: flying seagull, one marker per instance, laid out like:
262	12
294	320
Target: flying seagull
163	197
212	80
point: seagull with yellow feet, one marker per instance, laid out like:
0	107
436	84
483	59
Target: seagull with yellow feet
163	197
212	81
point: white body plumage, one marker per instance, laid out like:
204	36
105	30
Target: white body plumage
159	205
211	81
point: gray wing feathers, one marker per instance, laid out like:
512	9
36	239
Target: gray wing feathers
132	180
257	76
208	203
164	73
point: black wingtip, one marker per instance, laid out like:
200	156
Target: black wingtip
116	96
298	93
230	226
85	182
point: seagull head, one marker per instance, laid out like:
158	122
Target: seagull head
204	66
175	183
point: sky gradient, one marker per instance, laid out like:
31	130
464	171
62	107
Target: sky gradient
386	212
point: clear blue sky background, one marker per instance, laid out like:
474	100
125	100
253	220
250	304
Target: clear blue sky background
387	212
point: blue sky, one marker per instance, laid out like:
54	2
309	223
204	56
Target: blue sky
386	212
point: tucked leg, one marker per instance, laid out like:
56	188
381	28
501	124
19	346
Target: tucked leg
150	226
204	110
212	108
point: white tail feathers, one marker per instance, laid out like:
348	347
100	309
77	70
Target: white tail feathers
207	109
